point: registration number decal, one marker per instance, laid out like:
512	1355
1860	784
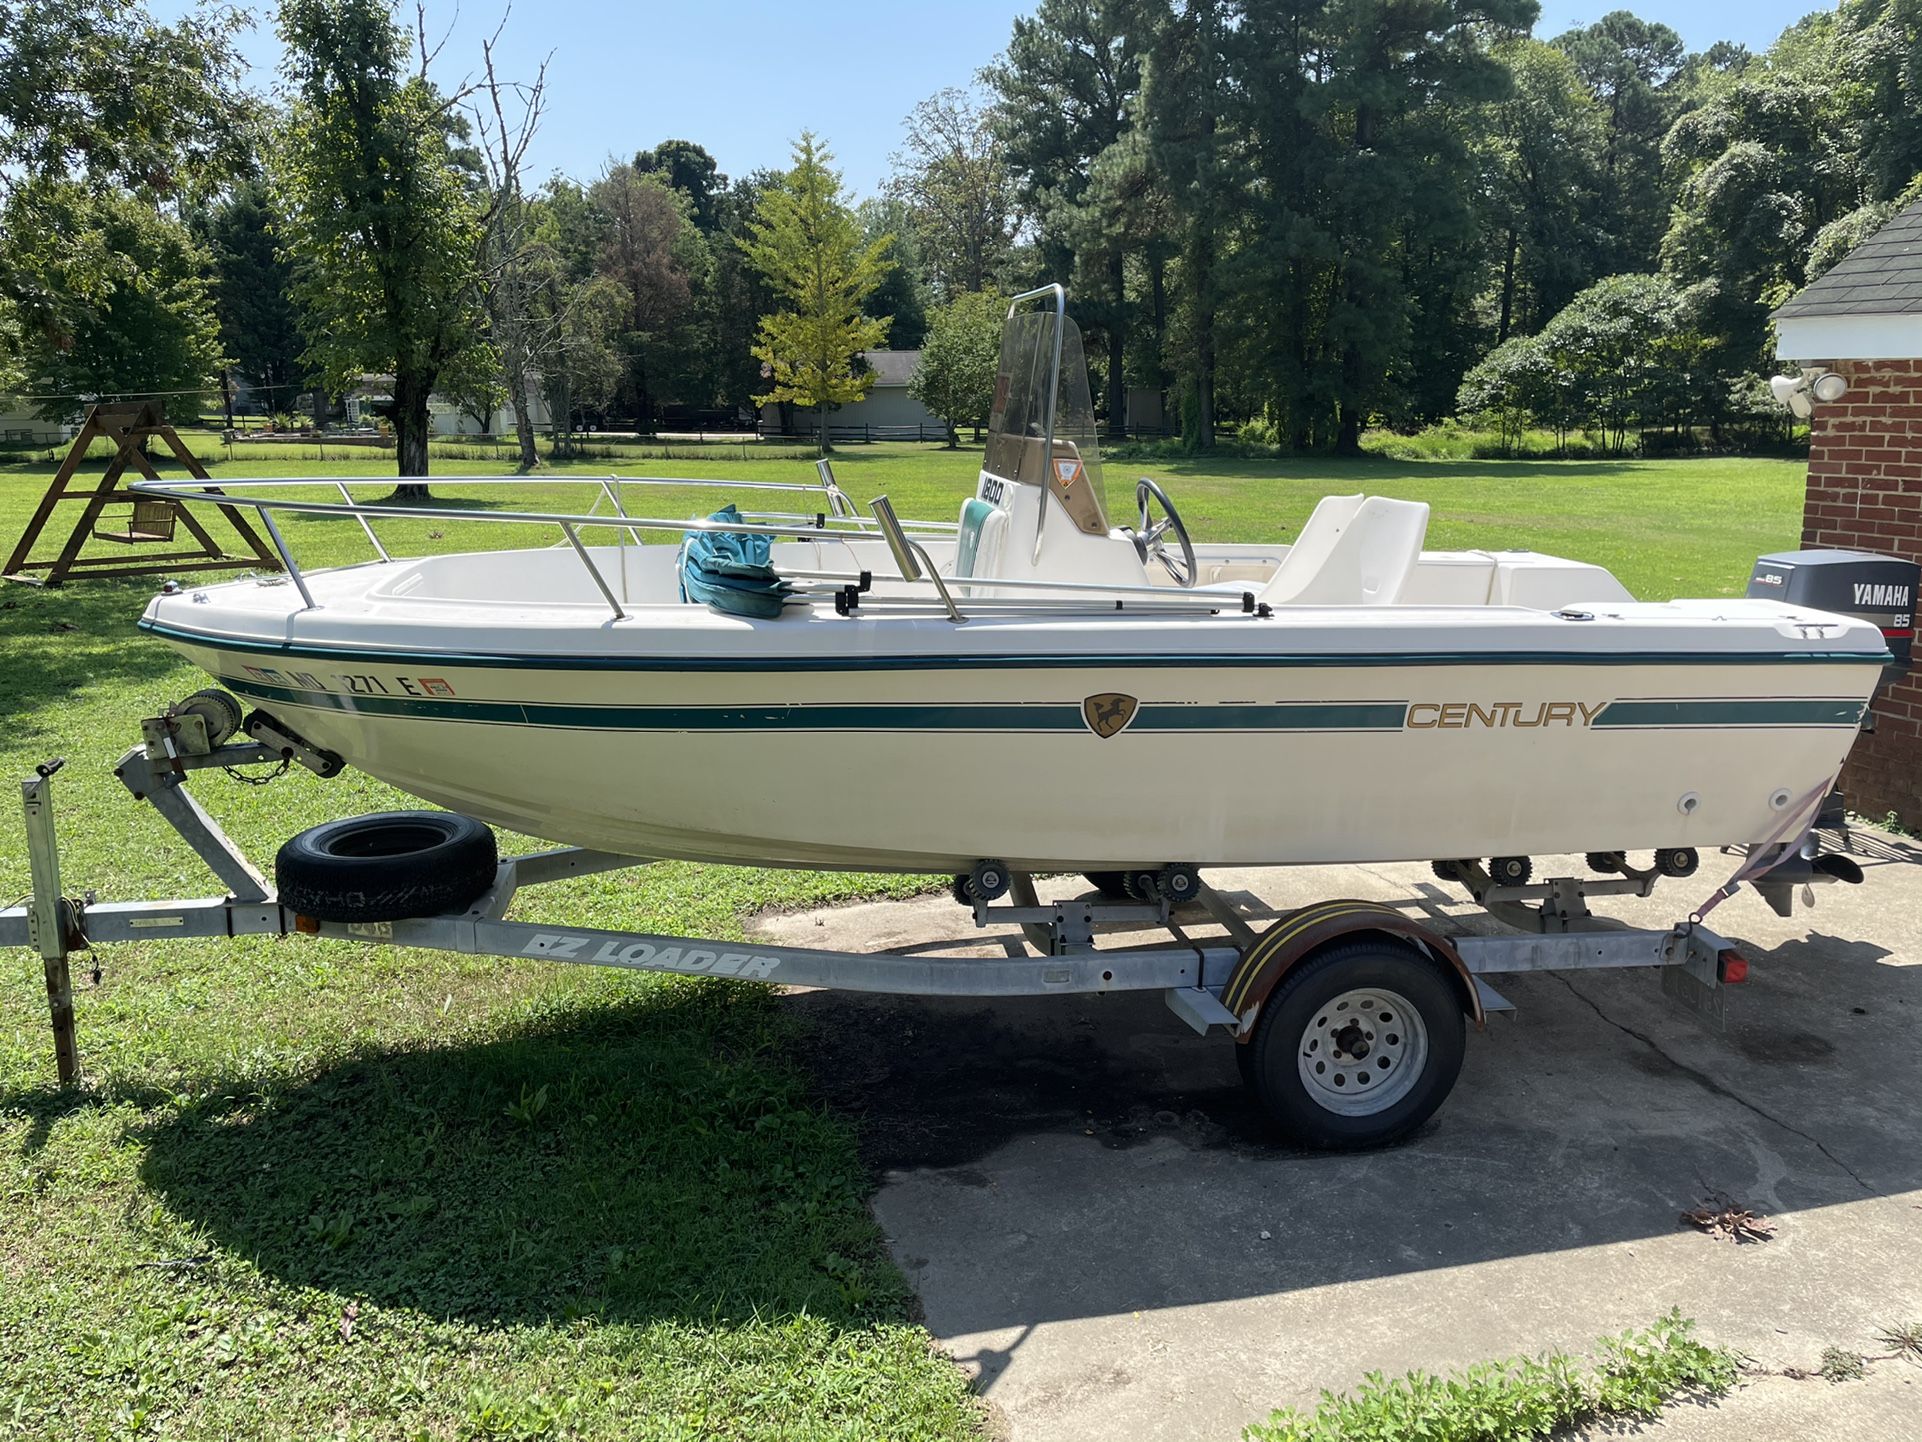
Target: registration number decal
355	683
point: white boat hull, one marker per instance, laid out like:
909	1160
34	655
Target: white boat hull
913	744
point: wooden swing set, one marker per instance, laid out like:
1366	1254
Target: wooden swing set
149	520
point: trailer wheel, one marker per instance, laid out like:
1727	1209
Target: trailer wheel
386	867
1358	1045
1113	884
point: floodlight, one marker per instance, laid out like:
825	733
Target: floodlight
1829	386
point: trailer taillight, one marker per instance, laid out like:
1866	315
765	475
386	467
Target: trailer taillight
1731	967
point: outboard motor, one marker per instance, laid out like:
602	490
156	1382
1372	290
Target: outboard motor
1805	865
1880	590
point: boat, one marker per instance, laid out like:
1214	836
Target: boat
1037	682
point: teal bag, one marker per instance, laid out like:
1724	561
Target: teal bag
731	571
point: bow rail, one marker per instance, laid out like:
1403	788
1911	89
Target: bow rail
836	519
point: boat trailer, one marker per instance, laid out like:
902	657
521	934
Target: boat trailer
1348	1015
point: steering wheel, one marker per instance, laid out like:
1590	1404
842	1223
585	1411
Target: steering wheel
1148	538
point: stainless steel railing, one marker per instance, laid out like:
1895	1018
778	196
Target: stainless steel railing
837	520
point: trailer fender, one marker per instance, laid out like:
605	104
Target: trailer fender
1300	934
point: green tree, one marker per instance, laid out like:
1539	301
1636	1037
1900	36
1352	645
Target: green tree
253	293
113	298
1514	386
809	245
581	360
651	249
477	393
955	377
101	89
383	224
574	317
737	296
1357	116
1615	336
101	92
13	373
716	367
1880	83
1541	149
569	226
1782	165
1839	237
1286	263
1632	67
1131	221
1760	170
689	169
957	193
1619	357
902	295
1068	87
1183	97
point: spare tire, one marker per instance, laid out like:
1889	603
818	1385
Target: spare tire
387	866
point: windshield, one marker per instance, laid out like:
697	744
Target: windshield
1019	419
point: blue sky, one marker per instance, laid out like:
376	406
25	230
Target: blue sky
744	78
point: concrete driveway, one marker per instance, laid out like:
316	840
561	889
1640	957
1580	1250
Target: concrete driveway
1102	1231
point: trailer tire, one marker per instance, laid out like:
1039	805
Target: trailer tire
1322	1056
388	866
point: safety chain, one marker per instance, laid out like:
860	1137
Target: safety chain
246	780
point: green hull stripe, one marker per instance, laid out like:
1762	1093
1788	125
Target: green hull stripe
1729	712
1022	716
906	717
1288	716
354	655
978	716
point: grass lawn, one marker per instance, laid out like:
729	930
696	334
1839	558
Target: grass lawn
314	1190
1667	528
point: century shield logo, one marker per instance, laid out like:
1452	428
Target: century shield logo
1109	713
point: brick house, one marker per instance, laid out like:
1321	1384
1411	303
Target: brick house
1863	320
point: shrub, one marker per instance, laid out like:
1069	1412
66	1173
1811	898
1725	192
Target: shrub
1257	432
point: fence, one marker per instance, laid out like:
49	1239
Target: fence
256	430
859	435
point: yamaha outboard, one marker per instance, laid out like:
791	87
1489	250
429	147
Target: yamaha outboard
1878	589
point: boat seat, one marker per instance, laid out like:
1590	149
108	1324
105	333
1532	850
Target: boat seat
1354	551
979	542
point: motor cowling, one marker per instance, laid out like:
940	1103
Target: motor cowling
1878	589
